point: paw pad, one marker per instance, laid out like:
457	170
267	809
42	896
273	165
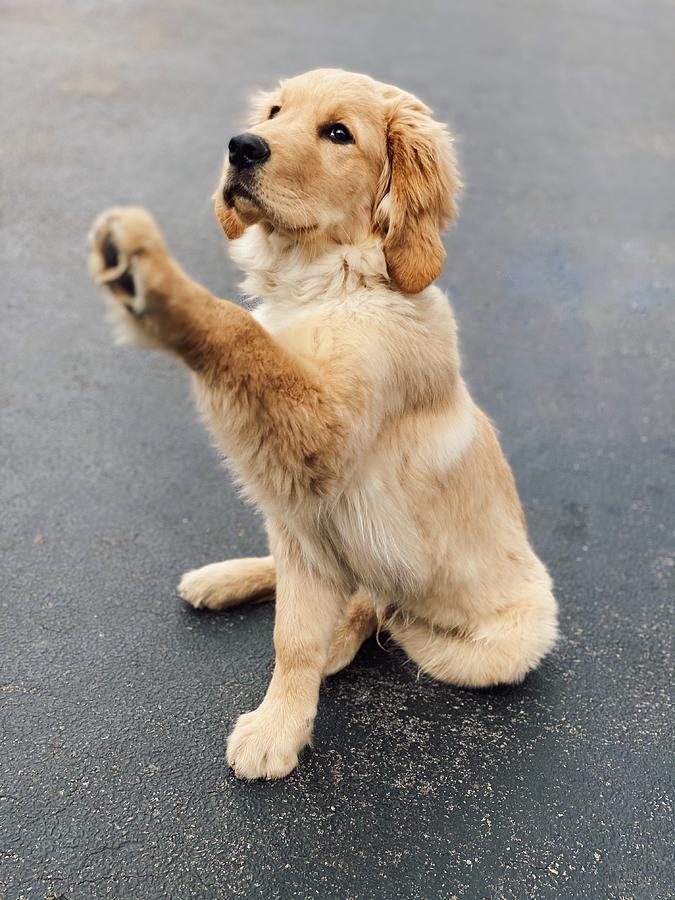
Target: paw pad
123	282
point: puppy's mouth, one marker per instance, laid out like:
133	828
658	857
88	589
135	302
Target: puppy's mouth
243	197
235	192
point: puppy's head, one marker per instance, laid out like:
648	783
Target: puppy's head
333	156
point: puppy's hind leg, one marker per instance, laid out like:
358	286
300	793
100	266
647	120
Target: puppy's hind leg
501	649
229	583
359	622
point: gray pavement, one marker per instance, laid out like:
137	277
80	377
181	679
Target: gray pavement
115	697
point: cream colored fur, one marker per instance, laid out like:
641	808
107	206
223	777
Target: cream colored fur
341	409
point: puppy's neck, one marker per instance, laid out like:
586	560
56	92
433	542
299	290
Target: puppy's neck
282	270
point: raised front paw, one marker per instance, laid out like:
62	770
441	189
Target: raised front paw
262	745
127	256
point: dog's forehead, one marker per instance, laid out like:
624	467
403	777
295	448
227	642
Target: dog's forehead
332	87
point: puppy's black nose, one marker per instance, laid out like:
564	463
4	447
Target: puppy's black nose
248	150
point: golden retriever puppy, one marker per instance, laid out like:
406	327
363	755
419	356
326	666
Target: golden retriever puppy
340	406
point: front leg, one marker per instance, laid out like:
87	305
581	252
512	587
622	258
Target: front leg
152	301
265	743
288	424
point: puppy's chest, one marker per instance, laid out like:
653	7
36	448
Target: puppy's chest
368	533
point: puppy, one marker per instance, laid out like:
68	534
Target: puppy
340	406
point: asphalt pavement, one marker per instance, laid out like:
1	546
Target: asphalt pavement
115	698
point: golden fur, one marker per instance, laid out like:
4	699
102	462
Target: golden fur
341	409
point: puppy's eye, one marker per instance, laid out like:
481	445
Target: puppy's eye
274	111
337	133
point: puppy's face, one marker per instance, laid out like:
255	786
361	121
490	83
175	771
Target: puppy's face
334	156
311	159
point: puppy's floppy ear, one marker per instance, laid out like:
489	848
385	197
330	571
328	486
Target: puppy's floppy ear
228	218
419	190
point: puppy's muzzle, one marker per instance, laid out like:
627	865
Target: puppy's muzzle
248	150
